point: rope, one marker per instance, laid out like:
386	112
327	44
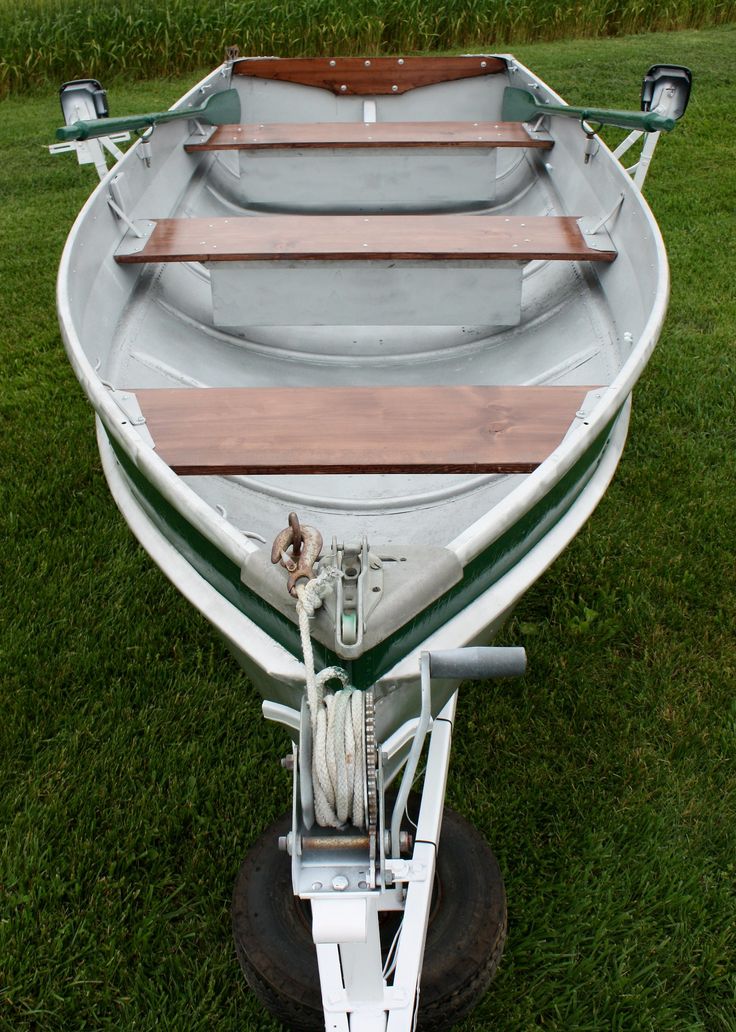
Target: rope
338	758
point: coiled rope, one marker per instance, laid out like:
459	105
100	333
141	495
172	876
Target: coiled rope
337	717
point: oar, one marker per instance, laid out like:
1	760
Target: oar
219	109
522	106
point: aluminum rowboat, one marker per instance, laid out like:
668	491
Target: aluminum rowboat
372	294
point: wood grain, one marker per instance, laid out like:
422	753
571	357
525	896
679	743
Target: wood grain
360	238
242	430
368	76
308	135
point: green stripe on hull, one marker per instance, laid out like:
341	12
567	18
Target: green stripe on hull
479	575
215	567
488	567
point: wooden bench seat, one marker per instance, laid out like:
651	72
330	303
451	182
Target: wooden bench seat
359	270
394	164
242	430
276	238
343	135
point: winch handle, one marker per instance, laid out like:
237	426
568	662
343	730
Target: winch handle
478	663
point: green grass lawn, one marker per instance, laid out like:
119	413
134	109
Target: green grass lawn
134	763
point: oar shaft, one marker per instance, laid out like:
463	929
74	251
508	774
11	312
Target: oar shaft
218	109
522	106
90	129
648	121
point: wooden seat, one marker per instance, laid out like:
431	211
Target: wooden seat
342	135
358	429
277	238
408	270
374	76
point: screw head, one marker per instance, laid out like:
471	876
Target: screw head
340	883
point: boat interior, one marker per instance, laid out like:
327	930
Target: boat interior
404	302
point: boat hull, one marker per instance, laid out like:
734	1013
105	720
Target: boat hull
502	534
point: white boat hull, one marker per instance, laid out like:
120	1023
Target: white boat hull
153	330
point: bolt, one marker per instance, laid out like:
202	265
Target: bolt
340	883
406	841
283	843
287	762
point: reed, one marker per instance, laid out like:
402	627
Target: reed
47	41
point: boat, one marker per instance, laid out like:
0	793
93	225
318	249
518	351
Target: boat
361	335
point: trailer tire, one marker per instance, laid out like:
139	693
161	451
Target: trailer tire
465	939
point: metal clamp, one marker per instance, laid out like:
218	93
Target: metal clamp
406	870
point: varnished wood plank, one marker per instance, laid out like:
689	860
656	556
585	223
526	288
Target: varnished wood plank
309	135
359	238
368	76
245	430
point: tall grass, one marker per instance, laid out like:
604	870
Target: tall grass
43	42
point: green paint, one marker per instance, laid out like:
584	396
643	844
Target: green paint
219	109
215	567
479	574
522	106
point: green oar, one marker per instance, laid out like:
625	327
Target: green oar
219	109
522	106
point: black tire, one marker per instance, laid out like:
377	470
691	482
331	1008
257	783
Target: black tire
465	939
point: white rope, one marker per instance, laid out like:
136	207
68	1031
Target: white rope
338	760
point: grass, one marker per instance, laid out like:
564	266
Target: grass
43	42
134	764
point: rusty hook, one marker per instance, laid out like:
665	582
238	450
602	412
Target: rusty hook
296	530
306	545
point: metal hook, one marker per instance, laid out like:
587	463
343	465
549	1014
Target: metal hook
306	545
296	530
